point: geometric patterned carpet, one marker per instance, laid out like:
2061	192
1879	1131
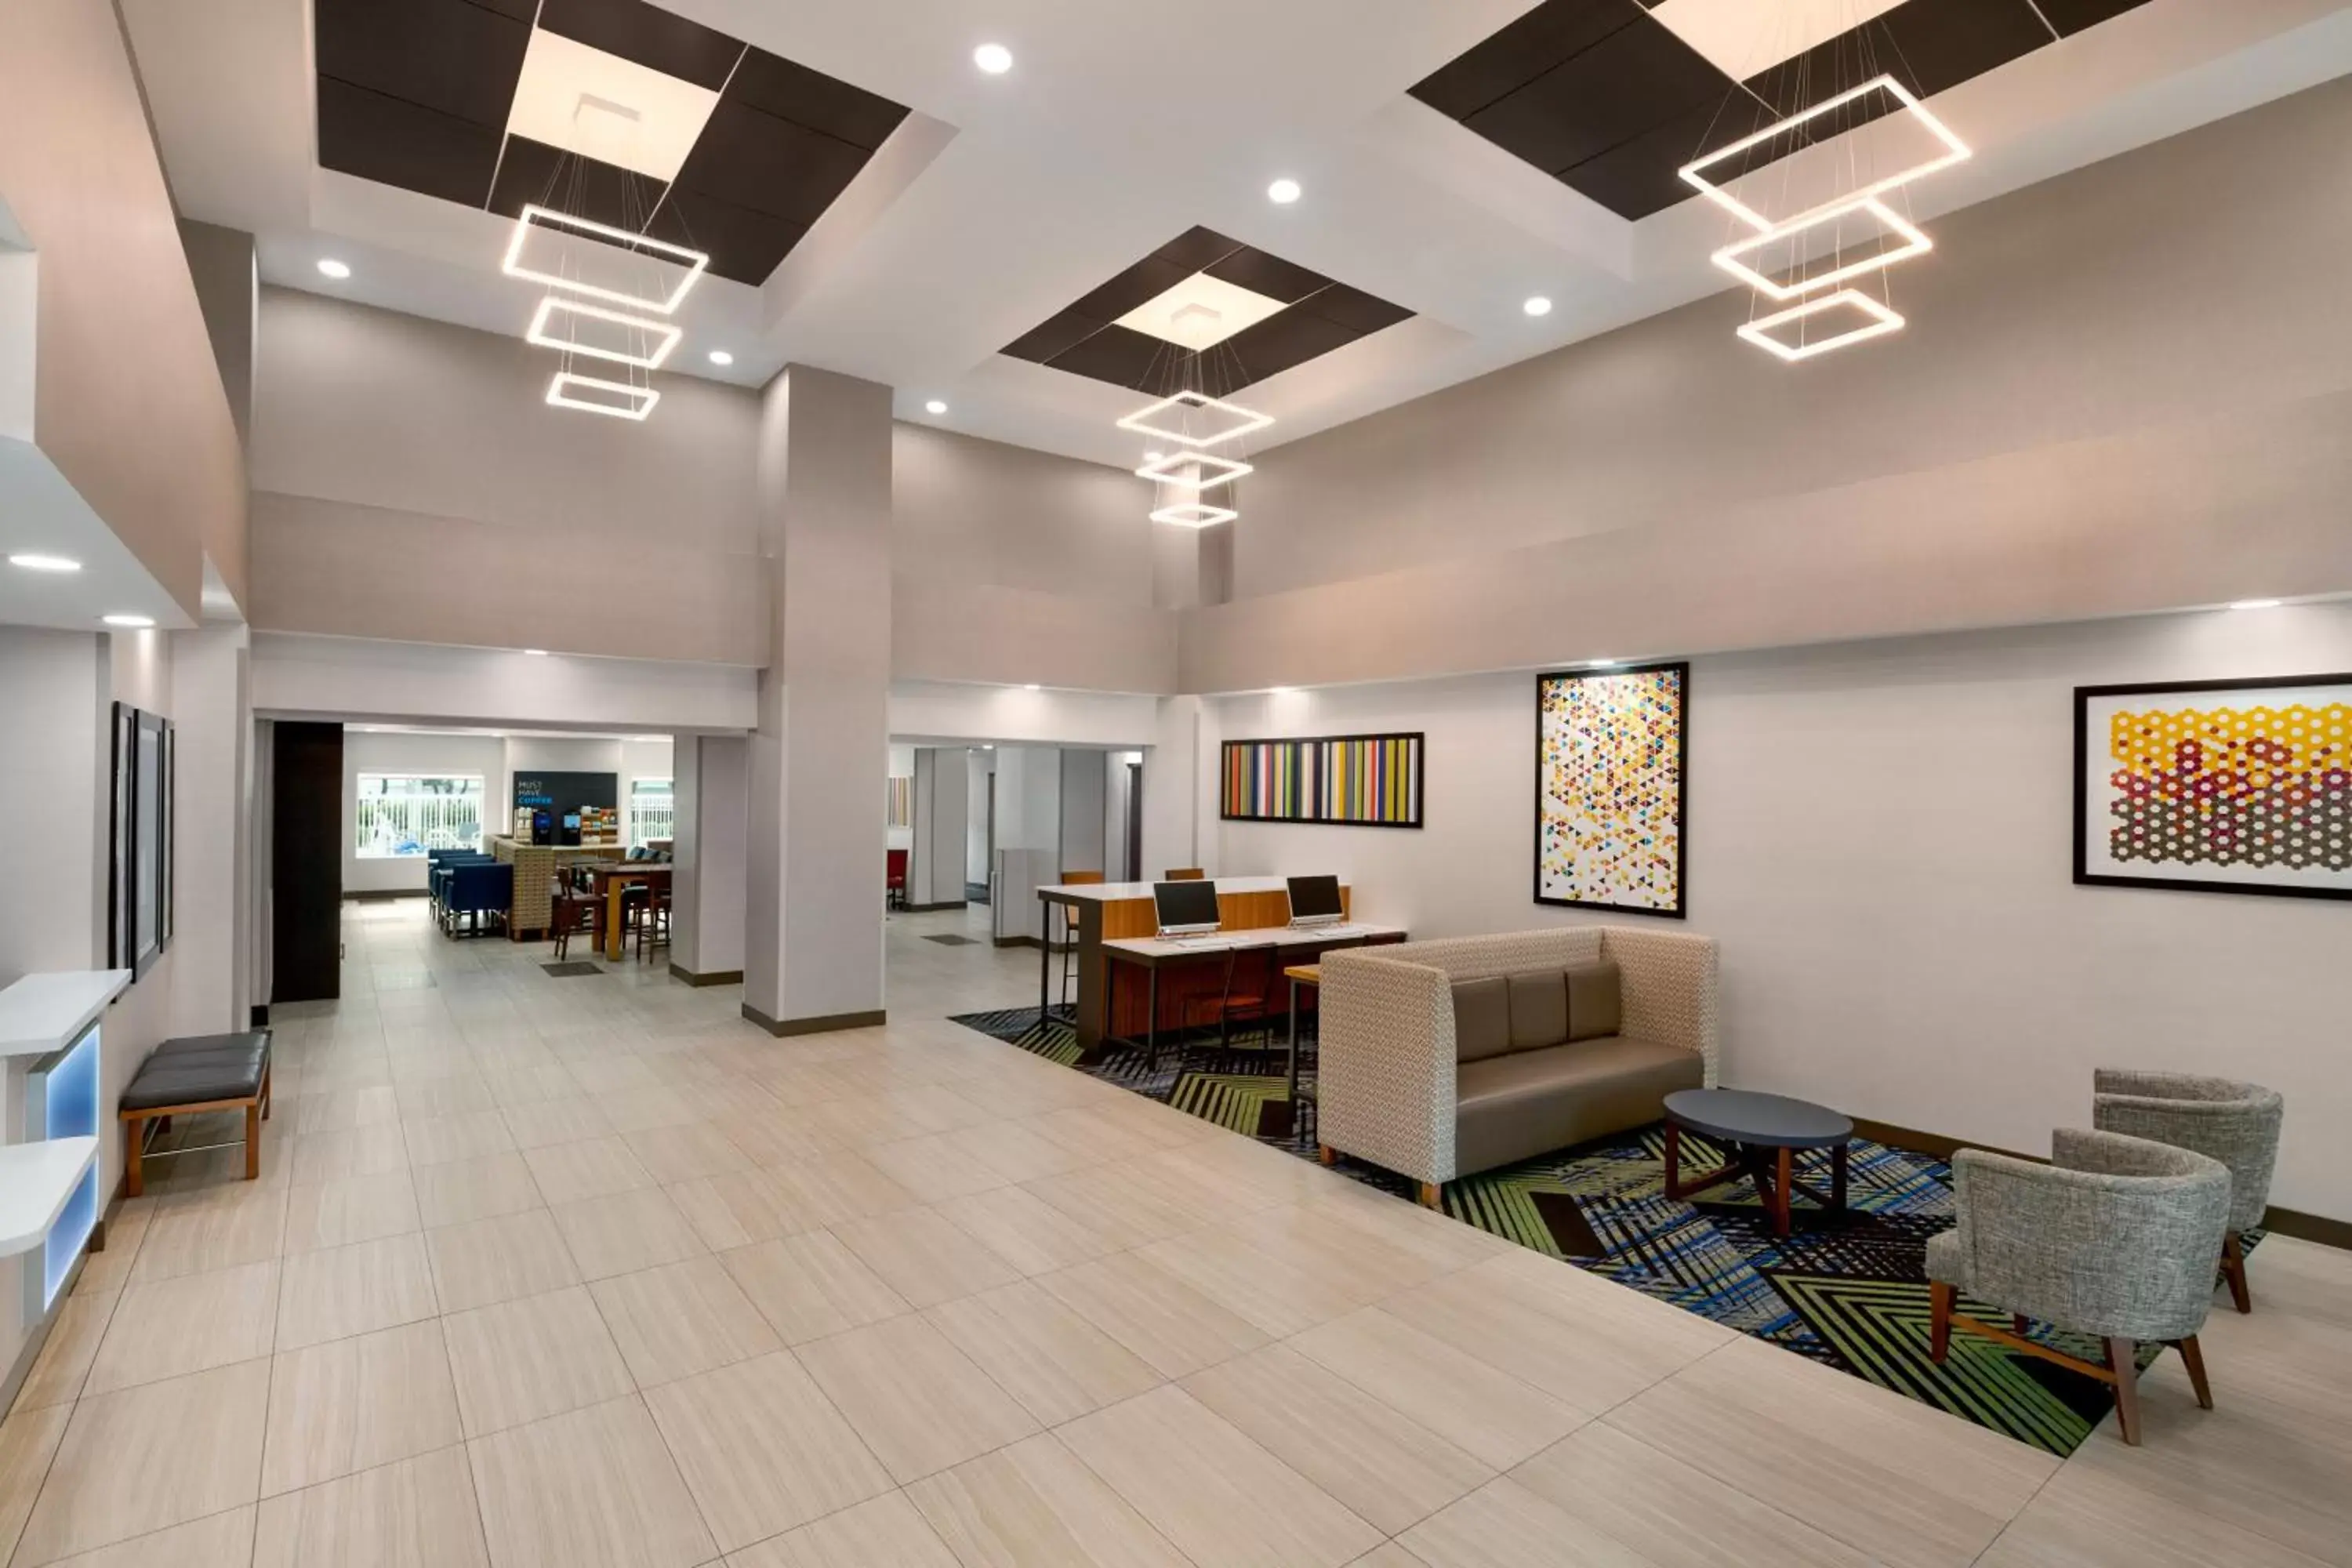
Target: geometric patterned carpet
1848	1292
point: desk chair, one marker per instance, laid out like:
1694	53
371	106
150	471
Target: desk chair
1247	997
1066	920
893	878
1185	873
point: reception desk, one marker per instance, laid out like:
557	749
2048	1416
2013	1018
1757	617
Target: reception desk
1122	915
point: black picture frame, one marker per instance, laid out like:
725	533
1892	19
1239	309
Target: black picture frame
1419	778
140	839
2086	878
1680	667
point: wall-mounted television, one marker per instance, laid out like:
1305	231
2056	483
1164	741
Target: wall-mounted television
139	900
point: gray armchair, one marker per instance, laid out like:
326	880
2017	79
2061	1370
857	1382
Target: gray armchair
2114	1237
2236	1123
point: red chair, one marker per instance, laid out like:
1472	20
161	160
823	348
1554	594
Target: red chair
894	877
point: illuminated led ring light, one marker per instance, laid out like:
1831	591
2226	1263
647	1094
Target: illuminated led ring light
1731	258
558	395
694	261
1185	470
668	334
1883	321
1251	419
1194	514
1955	149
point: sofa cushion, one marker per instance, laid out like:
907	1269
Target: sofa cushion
1512	1107
1482	1019
1539	1009
1595	1004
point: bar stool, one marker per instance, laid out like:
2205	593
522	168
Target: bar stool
1069	926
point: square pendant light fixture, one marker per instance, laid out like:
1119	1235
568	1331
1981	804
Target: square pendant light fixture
1194	514
1738	258
547	219
1876	321
1194	471
592	394
1166	419
633	334
1948	150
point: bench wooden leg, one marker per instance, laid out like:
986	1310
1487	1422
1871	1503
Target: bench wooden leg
252	1142
134	1181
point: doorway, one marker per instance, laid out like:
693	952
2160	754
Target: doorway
1134	848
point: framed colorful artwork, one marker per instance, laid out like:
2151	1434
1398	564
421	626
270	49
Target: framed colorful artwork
1611	755
2216	786
1358	781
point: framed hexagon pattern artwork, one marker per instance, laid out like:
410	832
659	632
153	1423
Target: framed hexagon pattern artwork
2216	786
1610	758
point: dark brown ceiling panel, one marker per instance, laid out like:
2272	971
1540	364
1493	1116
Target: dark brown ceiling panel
534	172
1521	52
392	140
447	56
1603	97
1319	316
661	40
770	165
743	244
776	85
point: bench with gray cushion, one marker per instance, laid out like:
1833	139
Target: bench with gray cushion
193	1074
1443	1059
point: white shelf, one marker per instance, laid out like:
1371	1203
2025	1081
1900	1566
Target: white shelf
44	1012
36	1180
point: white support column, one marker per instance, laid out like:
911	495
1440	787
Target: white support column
812	925
942	799
710	775
213	717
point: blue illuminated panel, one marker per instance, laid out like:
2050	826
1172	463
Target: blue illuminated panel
62	1095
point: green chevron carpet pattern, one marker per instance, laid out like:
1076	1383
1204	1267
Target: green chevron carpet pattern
1848	1290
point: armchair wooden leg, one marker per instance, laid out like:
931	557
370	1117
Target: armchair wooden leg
1327	1154
2193	1360
252	1142
2123	1360
1939	1319
134	1175
2233	1264
1429	1194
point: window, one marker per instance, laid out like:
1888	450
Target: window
407	814
653	811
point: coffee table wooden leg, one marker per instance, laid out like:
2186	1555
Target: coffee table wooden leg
1673	1160
1779	1196
1837	1178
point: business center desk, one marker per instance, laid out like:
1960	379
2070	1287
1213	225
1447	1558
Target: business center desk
1116	925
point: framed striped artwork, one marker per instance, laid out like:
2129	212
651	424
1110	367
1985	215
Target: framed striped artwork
1354	781
898	806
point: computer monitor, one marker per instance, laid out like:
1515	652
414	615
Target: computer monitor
1315	901
1185	909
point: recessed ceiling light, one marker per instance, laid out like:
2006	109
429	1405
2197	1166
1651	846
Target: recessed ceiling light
331	267
1537	305
131	621
935	406
1033	686
720	357
994	59
536	652
1282	193
45	562
2254	604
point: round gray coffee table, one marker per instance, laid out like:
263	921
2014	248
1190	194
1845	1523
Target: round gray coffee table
1761	1132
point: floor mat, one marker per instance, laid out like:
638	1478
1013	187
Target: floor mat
571	969
1849	1291
948	939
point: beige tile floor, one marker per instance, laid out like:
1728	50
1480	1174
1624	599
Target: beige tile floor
589	1272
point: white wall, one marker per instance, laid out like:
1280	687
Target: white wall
1880	836
980	782
212	764
453	756
1028	835
1084	810
423	683
1118	803
947	711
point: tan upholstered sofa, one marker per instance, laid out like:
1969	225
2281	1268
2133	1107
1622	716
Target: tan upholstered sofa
1444	1058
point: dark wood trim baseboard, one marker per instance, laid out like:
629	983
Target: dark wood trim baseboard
926	908
784	1028
1936	1145
708	977
1015	942
382	895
